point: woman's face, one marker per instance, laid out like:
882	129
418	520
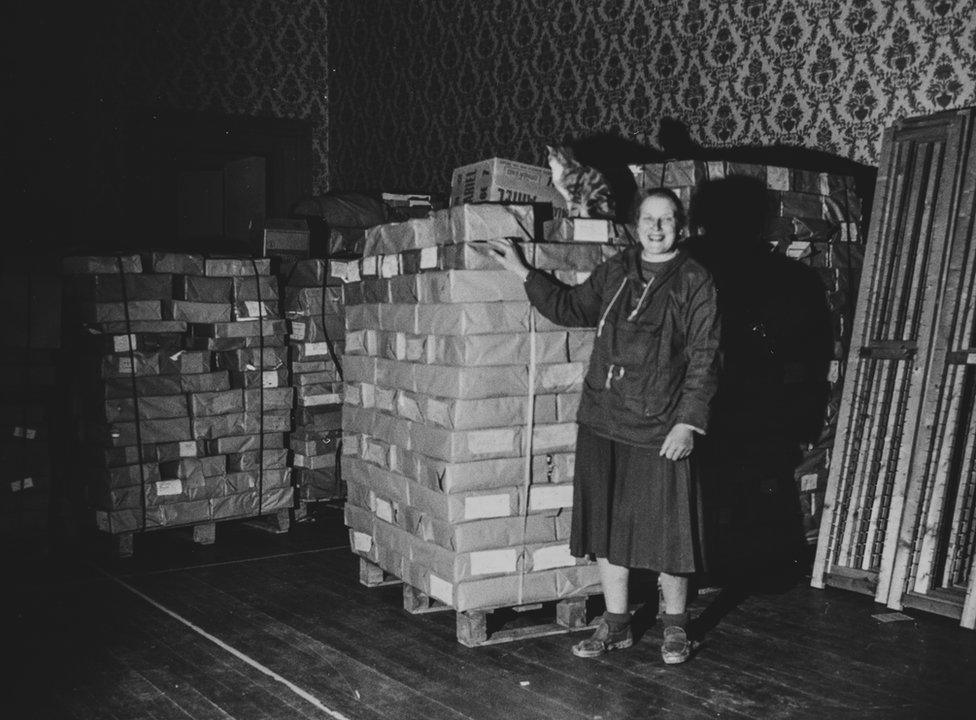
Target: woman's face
657	227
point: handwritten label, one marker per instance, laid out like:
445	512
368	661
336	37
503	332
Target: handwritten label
361	542
552	557
487	562
124	343
168	487
428	258
477	507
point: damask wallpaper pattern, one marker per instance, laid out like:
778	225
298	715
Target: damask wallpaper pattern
240	57
419	87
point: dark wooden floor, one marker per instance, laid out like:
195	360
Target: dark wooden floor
78	644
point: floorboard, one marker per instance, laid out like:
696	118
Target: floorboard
80	645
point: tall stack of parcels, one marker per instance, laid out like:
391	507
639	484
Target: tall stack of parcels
459	411
182	388
30	402
814	218
314	301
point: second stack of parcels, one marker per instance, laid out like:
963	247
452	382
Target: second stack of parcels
181	388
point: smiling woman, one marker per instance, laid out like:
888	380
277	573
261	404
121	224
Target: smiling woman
660	220
651	376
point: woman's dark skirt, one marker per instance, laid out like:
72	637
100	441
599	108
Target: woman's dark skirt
636	508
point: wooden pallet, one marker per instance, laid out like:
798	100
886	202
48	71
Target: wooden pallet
507	624
205	533
372	575
302	511
490	626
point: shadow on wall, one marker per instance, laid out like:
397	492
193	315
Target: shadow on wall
777	345
611	153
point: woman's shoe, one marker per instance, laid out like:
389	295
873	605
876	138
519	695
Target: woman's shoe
604	640
676	647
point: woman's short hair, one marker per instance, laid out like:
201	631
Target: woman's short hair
680	215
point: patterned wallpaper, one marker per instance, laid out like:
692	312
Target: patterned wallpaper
419	87
241	57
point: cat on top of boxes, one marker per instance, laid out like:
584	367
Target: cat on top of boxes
585	189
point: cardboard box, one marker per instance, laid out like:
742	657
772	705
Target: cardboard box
273	459
197	312
596	230
117	288
463	318
495	349
243	423
474	223
314	301
138	327
244	443
149	407
284	237
175	263
103	312
317	328
255	328
262	287
123	387
306	442
198	288
237	267
501	180
245	359
485	534
392	238
120	434
463	414
255	310
468	286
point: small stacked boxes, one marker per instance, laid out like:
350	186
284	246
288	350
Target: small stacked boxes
314	308
815	218
180	386
443	353
30	404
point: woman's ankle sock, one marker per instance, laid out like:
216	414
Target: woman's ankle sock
677	620
617	621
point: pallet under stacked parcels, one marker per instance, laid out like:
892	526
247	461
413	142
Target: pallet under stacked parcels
30	404
182	389
314	308
815	218
454	485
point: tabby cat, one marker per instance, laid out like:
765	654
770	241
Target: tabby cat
585	189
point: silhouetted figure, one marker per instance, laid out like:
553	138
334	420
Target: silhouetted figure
776	344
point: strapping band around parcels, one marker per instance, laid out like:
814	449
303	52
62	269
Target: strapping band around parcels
257	285
527	445
325	331
135	393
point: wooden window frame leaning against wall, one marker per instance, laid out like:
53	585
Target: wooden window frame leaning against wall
899	521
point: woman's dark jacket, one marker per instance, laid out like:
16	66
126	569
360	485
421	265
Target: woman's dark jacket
655	356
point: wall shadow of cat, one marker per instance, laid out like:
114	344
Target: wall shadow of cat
611	153
777	344
676	143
